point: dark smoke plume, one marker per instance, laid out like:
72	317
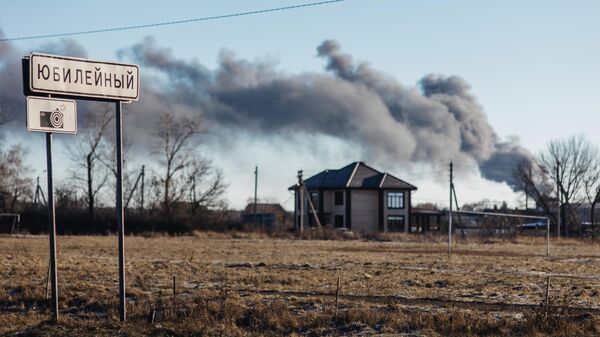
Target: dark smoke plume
437	122
12	100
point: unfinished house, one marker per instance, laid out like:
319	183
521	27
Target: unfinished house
355	197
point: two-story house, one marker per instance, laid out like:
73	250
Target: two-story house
356	197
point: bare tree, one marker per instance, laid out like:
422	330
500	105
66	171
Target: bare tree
176	139
86	155
574	156
15	182
577	160
107	157
591	185
206	184
534	180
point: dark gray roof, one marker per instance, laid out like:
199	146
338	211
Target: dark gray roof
356	175
263	208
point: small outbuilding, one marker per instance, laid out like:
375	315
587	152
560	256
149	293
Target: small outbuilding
266	216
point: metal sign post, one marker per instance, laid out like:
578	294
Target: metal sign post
120	214
52	228
51	115
77	78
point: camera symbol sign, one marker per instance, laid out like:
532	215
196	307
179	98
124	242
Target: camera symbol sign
51	115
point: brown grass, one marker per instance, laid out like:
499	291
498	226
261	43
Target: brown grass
239	284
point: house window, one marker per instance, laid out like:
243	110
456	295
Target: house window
339	198
314	198
339	221
395	223
395	200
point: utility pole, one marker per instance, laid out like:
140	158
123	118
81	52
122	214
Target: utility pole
142	187
193	194
450	212
312	209
39	194
301	201
462	229
134	188
558	197
255	196
527	190
36	198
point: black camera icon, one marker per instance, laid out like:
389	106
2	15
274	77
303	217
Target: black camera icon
52	119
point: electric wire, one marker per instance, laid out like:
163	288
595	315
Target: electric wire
169	23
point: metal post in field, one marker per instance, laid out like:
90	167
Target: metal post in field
450	214
301	201
194	201
52	229
255	197
337	296
546	297
174	291
547	236
120	214
142	188
558	199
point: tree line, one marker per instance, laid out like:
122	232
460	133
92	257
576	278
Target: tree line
570	166
176	187
181	189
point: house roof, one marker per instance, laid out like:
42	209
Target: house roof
263	208
355	175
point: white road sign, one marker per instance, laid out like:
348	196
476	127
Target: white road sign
73	76
51	115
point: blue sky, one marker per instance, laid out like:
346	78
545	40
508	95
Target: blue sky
533	65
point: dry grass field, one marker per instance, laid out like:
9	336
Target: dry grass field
245	285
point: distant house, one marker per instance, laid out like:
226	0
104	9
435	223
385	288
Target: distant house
268	216
355	197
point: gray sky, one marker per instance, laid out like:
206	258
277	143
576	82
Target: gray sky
532	66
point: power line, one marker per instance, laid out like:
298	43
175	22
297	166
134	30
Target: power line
288	199
168	23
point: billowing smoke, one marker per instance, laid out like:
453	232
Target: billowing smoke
438	121
435	122
12	100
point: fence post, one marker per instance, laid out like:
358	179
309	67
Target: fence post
547	236
546	300
337	296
